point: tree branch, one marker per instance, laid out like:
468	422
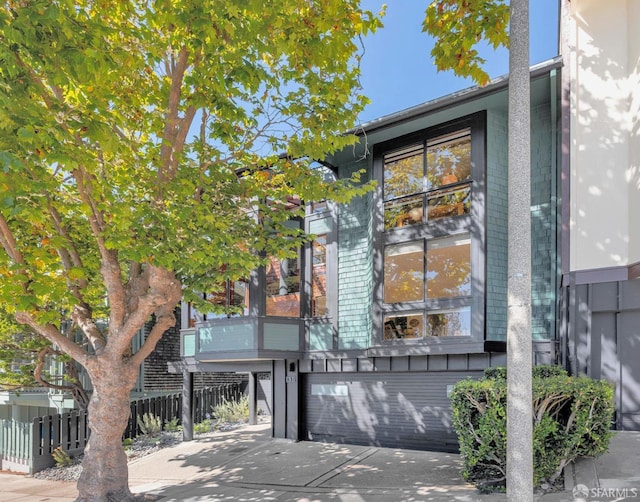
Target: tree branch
8	242
83	317
165	281
109	267
74	387
175	128
163	289
53	334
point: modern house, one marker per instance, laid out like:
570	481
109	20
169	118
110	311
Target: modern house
402	292
600	245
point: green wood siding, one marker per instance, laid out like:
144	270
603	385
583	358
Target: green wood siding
355	268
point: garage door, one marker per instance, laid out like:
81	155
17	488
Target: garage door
398	410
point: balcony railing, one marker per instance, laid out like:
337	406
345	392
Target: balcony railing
244	338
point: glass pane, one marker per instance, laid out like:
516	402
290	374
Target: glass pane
448	203
455	322
403	213
406	325
404	172
317	207
449	267
404	272
449	159
239	295
283	287
319	276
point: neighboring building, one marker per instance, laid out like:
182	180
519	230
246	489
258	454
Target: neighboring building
403	291
601	197
26	404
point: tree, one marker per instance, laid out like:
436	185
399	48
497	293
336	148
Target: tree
140	153
458	25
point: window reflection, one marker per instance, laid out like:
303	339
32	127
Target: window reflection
449	159
449	267
283	287
455	322
319	276
404	272
408	325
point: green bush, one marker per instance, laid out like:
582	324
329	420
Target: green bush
150	425
572	416
172	425
232	411
542	371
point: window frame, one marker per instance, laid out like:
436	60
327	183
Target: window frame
472	223
327	216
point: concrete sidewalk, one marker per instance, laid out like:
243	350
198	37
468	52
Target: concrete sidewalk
247	465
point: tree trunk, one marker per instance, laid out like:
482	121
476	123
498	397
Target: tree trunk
105	474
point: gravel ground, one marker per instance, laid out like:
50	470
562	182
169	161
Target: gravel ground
141	446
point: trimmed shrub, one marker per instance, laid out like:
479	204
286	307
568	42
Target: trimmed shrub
571	418
542	371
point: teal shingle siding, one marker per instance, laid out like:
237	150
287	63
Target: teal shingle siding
355	269
542	229
496	232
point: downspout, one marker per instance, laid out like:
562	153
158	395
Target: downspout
555	214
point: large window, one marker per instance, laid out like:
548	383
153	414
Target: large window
430	239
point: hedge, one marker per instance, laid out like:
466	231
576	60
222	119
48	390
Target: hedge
571	418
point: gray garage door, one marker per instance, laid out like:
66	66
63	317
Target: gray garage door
401	410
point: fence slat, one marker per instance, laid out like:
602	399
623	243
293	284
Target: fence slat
32	443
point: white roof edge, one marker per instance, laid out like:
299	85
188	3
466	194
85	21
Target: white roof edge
474	92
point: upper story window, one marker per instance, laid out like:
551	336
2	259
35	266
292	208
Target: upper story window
434	175
431	233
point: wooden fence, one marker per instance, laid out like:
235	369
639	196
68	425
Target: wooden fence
15	445
27	447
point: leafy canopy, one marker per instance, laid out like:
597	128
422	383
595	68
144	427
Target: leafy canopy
458	26
142	142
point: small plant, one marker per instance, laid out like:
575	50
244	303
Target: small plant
203	427
61	457
172	425
232	411
126	443
150	425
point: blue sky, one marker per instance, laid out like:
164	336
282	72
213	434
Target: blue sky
397	69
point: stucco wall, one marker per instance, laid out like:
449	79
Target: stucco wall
633	20
603	53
